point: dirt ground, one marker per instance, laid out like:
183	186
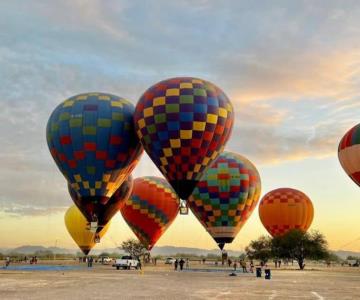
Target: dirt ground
162	282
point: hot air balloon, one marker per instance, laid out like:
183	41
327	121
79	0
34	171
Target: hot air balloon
183	124
349	153
226	196
103	211
285	209
77	226
150	209
92	140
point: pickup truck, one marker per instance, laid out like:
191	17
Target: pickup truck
127	262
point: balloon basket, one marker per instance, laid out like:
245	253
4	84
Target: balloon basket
184	210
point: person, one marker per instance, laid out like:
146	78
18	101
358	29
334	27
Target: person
139	265
203	261
276	263
235	265
176	264
279	263
181	263
251	266
243	265
7	262
224	257
88	261
229	262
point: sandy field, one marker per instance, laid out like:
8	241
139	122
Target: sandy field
162	282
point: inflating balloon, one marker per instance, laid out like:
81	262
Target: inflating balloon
285	209
77	226
183	124
349	153
226	196
103	211
151	208
92	140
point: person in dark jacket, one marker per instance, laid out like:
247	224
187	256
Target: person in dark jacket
176	264
181	263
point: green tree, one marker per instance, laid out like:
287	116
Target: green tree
242	256
134	248
299	245
351	257
259	249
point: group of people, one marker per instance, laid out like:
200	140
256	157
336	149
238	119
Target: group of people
33	260
277	263
242	264
181	263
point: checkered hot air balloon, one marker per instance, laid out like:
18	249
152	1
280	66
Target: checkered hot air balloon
226	196
183	124
151	208
349	153
92	140
284	209
103	211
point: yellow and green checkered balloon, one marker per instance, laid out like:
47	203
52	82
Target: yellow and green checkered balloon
183	124
226	196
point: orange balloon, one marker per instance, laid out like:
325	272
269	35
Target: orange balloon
285	209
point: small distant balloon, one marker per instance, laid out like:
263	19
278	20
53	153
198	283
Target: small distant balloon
226	196
151	208
284	209
349	153
183	124
77	226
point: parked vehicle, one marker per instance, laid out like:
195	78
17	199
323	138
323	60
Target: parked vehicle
169	260
127	262
105	260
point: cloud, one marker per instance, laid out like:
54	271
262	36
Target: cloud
291	70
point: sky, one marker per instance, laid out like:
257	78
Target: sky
290	68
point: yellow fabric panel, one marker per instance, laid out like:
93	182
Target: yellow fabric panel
159	101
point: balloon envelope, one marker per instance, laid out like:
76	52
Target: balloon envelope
226	196
92	140
285	209
76	224
103	211
349	153
151	208
183	124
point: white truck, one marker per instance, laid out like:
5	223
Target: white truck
127	262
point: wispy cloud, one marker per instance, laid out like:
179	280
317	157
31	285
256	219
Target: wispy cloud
291	69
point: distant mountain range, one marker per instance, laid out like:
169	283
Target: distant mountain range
164	251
